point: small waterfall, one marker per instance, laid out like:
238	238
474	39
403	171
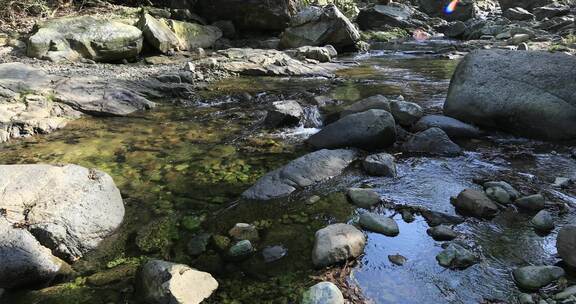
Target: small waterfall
312	117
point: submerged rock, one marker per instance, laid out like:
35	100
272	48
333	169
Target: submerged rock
241	250
432	141
323	293
376	102
284	113
274	253
534	202
434	218
453	127
566	245
243	231
536	277
397	259
381	164
198	244
379	223
73	38
456	257
543	221
372	129
337	243
305	171
475	203
319	28
442	233
163	282
363	198
532	102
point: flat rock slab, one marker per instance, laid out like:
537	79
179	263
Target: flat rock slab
305	171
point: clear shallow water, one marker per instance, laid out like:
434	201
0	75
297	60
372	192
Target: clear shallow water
179	168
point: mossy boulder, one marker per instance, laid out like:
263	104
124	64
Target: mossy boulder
192	35
73	38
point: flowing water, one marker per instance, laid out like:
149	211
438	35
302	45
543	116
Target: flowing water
182	167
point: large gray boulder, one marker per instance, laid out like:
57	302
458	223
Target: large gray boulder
163	282
259	15
84	37
526	93
52	212
68	208
302	172
322	27
566	245
337	243
372	129
24	260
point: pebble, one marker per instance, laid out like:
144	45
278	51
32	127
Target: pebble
397	259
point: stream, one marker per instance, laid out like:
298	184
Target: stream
182	167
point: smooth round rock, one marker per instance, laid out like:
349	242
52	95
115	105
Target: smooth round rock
536	277
323	293
363	198
337	243
379	223
566	244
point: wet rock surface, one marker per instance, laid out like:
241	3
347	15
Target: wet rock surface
535	277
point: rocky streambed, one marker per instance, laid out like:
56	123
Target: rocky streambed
188	172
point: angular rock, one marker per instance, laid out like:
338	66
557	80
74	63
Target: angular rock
566	245
432	141
197	245
168	283
551	11
381	164
252	15
158	34
386	16
363	198
455	29
536	277
302	172
525	4
368	130
543	221
518	13
453	127
456	257
329	26
69	209
406	113
531	203
442	233
337	243
536	103
73	38
192	36
376	102
323	293
321	54
25	261
284	113
379	223
475	203
226	27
